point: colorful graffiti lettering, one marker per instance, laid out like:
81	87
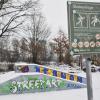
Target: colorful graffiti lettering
18	86
33	84
23	68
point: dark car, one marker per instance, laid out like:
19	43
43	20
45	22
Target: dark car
93	68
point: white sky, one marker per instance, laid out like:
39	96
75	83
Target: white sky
55	12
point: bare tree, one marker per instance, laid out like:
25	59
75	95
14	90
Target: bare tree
38	32
14	14
24	54
2	2
15	55
4	49
61	45
19	16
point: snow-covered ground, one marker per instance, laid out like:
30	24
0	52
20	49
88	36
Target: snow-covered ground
75	94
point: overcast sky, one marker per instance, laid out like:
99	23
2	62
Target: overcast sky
55	12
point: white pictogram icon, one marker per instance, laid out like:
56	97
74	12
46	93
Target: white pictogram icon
80	44
74	44
86	44
80	20
95	20
92	44
75	40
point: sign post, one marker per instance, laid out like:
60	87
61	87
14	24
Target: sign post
89	79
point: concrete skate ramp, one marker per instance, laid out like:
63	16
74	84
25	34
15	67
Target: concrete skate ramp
17	83
64	74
